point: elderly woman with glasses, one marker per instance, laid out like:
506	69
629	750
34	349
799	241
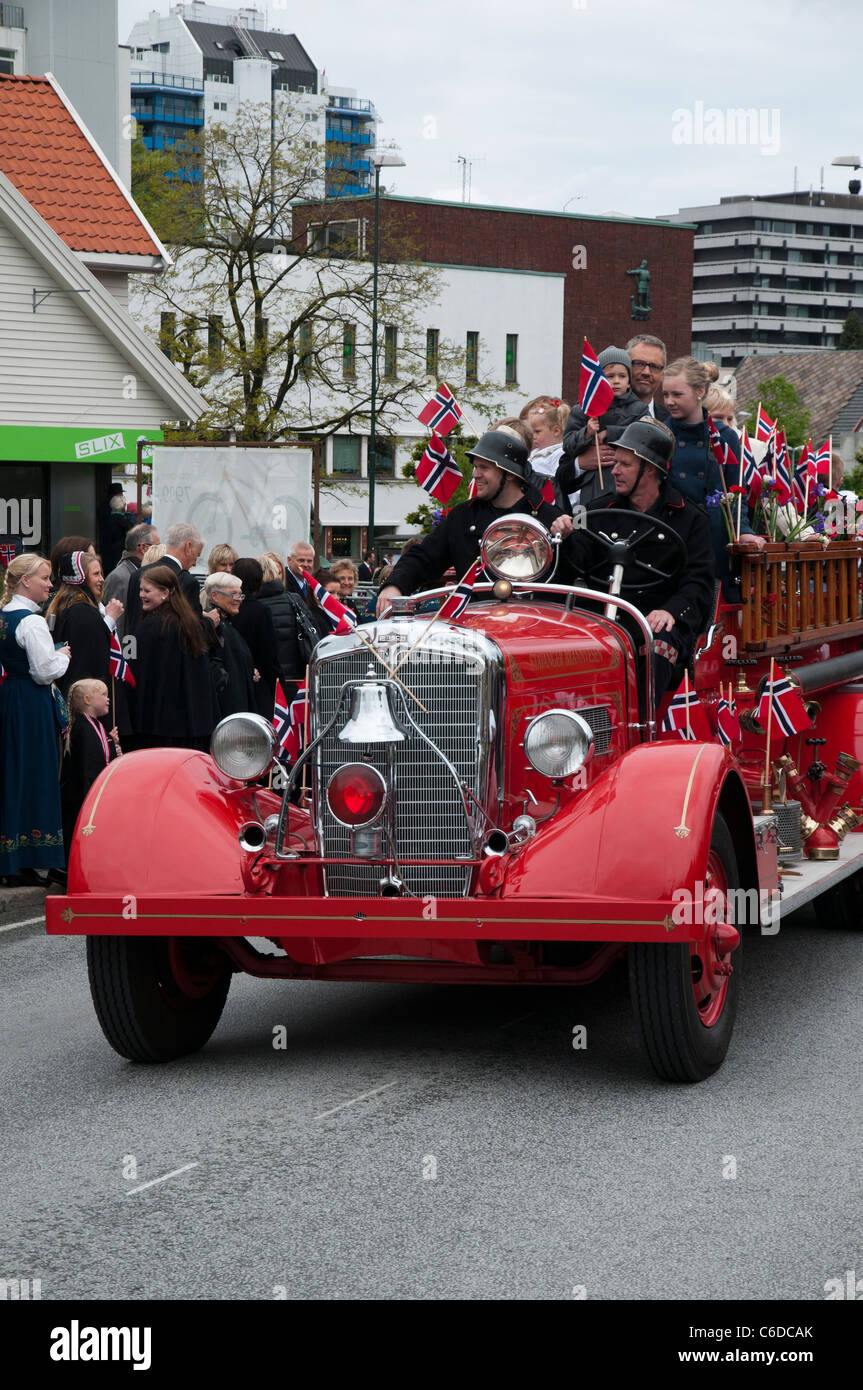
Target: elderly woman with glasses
233	668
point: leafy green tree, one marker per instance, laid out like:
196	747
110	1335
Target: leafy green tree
851	336
781	399
289	304
427	513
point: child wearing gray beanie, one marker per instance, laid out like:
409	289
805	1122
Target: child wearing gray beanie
579	450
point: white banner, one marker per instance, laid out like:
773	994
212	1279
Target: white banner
253	499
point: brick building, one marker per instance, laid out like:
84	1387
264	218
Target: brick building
594	253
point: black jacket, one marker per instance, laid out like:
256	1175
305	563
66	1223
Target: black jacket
455	542
174	697
622	411
232	665
254	623
188	588
89	638
689	596
297	630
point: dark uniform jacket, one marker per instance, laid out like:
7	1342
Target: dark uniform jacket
622	411
695	473
689	596
455	542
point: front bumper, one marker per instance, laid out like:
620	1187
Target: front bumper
398	919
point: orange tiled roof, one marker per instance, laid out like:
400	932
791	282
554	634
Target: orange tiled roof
44	153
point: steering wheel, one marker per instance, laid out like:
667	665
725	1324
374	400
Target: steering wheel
623	549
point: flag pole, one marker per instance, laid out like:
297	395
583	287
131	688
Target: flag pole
686	691
598	459
766	804
829	463
304	788
430	625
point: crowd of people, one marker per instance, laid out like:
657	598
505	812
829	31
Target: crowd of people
76	693
93	666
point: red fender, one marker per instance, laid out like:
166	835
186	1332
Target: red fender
642	830
165	820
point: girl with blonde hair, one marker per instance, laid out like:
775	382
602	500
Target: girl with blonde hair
89	749
31	827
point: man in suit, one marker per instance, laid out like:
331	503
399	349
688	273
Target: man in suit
300	557
184	545
367	568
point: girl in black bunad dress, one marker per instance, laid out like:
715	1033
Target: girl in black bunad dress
31	835
78	618
174	700
89	749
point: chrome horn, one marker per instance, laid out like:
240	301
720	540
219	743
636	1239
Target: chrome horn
371	719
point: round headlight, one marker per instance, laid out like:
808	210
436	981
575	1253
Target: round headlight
558	743
243	746
516	548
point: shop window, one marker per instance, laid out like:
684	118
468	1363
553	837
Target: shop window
471	365
346	455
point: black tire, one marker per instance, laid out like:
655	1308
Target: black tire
144	1010
841	908
678	1044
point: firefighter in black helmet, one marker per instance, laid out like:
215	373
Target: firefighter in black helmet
662	547
505	484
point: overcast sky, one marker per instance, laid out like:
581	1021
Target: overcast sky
599	105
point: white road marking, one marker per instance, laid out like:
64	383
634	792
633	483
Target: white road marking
28	922
152	1183
356	1100
514	1021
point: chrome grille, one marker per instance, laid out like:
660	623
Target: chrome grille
599	719
455	678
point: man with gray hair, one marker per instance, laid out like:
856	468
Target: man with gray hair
183	548
300	557
648	357
138	539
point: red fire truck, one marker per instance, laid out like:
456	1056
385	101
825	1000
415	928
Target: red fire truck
491	800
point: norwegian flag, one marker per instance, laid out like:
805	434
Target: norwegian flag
2	673
437	470
594	390
770	471
821	461
798	478
764	426
281	717
442	411
783	476
8	551
296	733
789	711
460	596
675	721
727	723
752	479
120	668
720	450
343	618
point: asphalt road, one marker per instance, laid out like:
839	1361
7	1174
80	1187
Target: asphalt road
417	1142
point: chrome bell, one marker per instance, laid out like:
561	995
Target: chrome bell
371	719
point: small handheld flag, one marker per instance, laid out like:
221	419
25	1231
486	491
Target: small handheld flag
442	412
764	426
437	470
344	619
594	390
727	721
120	668
458	600
686	716
752	479
789	710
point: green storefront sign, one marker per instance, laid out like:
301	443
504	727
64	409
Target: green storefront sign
96	444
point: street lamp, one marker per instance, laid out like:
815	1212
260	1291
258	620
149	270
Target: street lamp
380	159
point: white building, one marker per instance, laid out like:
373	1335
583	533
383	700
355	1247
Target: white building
497	307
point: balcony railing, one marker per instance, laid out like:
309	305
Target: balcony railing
11	16
365	108
168	80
